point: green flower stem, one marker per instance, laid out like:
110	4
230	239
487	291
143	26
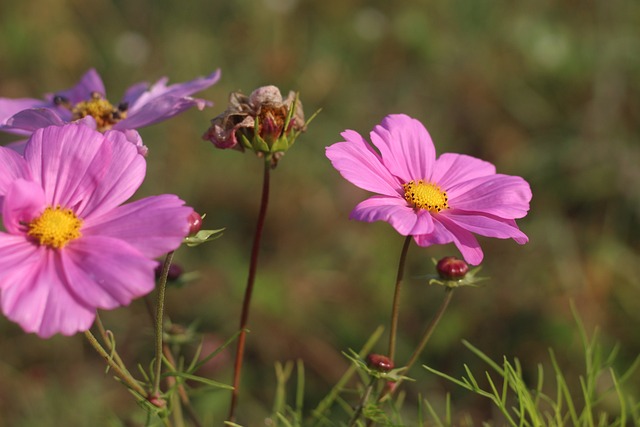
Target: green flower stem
425	338
123	375
244	316
182	393
363	402
162	287
108	341
430	328
396	298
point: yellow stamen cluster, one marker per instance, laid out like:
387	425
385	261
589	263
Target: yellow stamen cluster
424	195
55	227
105	114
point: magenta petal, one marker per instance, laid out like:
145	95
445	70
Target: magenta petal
138	98
11	107
17	256
392	210
89	83
154	225
486	225
504	196
39	300
446	231
23	202
81	169
106	273
155	111
18	146
405	146
451	169
359	164
12	167
36	118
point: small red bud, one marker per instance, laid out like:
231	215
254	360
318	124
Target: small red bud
195	222
157	400
452	268
380	362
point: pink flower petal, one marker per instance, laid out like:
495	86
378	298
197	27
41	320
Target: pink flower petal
359	164
17	256
81	169
23	202
504	196
137	98
153	225
89	83
35	118
39	300
451	169
161	102
446	231
405	146
105	273
396	212
12	167
486	225
10	107
156	110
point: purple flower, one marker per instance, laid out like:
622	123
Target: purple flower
70	246
435	200
141	105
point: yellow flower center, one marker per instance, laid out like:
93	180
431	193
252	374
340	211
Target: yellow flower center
55	227
425	195
105	114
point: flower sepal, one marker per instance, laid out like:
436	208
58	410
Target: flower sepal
202	236
469	278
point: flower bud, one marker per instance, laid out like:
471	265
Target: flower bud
195	223
379	362
156	400
452	268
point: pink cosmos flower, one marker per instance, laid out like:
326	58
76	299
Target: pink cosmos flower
70	246
142	105
435	200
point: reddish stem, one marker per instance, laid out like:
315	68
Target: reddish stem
244	317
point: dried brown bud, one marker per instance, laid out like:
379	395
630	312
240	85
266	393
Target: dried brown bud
277	129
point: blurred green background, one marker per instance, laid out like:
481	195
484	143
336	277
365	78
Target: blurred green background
544	89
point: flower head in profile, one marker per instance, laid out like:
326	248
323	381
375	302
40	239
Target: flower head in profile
141	105
436	200
70	246
263	122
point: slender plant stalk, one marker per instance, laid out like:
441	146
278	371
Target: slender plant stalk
363	402
430	328
162	287
396	298
425	338
182	393
108	344
124	376
253	266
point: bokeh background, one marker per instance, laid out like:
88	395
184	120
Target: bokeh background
549	90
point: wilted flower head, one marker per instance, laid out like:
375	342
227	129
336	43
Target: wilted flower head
70	245
435	200
263	122
87	102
